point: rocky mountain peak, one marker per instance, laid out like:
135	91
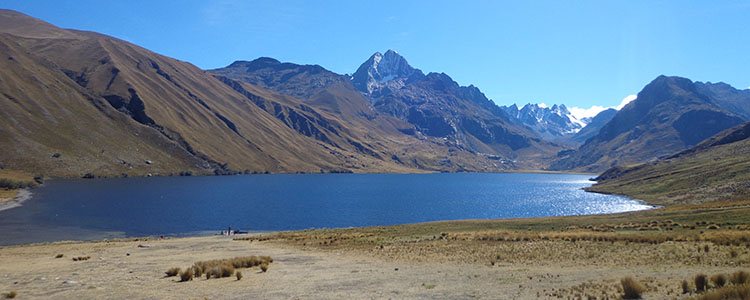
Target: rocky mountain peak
549	122
379	69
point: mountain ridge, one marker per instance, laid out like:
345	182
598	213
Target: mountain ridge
714	170
670	114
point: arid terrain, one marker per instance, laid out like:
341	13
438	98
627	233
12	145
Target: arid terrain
562	257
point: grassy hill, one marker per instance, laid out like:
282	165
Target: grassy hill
714	170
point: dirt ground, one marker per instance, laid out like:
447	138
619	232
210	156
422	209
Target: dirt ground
298	273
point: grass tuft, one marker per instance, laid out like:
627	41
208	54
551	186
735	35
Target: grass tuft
732	292
631	289
740	277
186	275
719	280
172	272
685	287
701	282
239	275
11	294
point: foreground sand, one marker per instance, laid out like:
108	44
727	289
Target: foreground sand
35	273
437	269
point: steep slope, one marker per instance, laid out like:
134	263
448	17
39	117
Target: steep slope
669	115
716	169
438	107
727	97
109	107
594	125
384	73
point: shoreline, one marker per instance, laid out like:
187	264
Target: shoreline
22	196
524	171
532	258
209	233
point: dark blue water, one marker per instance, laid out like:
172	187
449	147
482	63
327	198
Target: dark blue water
100	208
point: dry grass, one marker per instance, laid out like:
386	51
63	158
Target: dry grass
237	262
719	280
186	275
732	292
221	268
8	194
172	272
685	287
631	289
671	237
701	283
81	258
740	277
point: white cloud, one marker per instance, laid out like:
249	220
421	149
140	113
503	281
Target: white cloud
626	100
581	113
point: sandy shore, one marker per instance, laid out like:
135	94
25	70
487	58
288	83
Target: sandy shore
122	270
21	196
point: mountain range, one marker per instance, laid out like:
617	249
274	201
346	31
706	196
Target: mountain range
669	115
77	103
714	170
557	123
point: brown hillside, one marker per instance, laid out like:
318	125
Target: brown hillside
75	102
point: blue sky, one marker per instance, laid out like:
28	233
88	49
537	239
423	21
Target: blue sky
580	53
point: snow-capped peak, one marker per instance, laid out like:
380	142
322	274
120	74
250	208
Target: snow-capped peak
379	69
548	121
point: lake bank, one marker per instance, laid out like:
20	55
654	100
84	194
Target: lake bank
403	261
14	198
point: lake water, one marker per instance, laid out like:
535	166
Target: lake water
78	209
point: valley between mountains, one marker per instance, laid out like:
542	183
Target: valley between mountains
76	103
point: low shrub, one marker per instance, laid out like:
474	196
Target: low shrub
719	280
701	282
12	184
685	287
59	256
239	275
172	272
214	272
631	289
80	258
740	277
264	267
186	275
731	292
226	270
11	294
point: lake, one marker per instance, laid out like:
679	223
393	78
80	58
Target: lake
80	209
